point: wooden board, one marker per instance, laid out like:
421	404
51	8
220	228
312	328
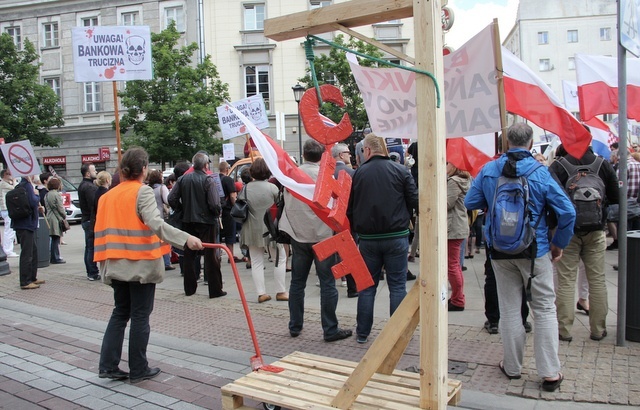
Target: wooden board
353	13
311	382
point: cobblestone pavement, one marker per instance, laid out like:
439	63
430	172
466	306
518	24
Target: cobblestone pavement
50	340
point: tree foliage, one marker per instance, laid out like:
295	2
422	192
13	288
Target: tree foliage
28	109
174	115
333	68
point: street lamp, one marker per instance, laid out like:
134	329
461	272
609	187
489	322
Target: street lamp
298	90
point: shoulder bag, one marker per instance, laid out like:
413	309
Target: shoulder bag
240	209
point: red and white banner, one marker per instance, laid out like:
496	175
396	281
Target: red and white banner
597	78
529	97
470	93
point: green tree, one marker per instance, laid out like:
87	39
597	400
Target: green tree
333	68
174	115
28	109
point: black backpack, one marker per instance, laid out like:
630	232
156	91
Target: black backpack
273	231
18	205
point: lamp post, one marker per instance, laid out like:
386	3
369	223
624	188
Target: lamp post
298	90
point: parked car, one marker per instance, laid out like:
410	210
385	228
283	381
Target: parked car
70	200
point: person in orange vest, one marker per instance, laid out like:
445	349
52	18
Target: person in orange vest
129	235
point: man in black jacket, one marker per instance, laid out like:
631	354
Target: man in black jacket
86	193
383	196
588	245
198	196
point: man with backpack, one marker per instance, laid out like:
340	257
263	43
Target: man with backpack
516	190
591	183
25	223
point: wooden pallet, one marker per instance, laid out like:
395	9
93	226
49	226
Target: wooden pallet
311	382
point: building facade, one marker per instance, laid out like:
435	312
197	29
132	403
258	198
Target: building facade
88	134
231	31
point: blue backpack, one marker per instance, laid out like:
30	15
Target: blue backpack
511	231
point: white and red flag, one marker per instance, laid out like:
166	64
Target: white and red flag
529	97
597	78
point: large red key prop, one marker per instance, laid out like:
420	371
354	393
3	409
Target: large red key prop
316	124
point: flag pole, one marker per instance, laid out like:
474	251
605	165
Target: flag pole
117	120
497	54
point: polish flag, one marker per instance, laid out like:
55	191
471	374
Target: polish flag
529	97
602	135
283	168
471	153
597	78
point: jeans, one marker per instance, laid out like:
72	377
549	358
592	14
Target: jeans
454	271
392	254
28	256
9	233
301	260
511	277
55	249
89	236
134	301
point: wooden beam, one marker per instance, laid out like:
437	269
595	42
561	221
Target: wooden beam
375	43
433	207
394	356
352	13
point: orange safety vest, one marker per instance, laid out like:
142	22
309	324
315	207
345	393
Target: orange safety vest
119	232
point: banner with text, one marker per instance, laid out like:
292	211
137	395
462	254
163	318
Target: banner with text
253	108
112	53
470	92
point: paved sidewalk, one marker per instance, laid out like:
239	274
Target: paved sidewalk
50	340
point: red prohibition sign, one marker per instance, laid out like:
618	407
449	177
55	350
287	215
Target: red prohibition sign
21	160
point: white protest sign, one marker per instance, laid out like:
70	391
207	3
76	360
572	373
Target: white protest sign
228	151
470	93
253	108
20	158
112	53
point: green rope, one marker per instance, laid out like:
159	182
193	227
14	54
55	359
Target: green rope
308	50
309	45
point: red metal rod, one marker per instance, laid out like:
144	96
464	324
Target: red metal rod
241	291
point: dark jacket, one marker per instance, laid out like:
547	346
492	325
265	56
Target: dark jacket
29	223
383	196
607	174
86	195
198	197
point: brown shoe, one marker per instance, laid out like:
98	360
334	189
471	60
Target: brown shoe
30	286
264	298
282	296
40	282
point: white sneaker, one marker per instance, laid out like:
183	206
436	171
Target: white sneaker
12	255
344	283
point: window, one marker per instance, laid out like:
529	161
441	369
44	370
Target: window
605	34
130	19
608	117
572	36
14	32
316	4
89	21
174	14
257	82
254	16
543	37
545	64
54	83
92	97
50	34
572	63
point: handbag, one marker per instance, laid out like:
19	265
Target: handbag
64	225
240	209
